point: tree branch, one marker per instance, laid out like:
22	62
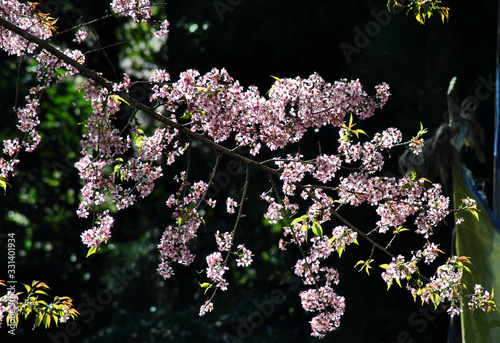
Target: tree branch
133	102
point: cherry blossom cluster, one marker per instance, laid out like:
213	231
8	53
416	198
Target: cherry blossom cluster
28	119
396	200
105	166
208	306
100	145
274	210
26	16
430	252
139	10
173	245
342	236
217	265
101	233
330	306
216	269
398	270
80	36
292	173
470	205
224	241
230	205
321	300
481	299
245	256
27	122
326	167
444	286
220	107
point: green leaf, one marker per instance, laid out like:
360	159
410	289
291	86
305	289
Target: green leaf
38	320
358	131
46	321
358	263
187	115
206	285
41	292
116	170
475	214
55	318
302	218
276	78
118	98
365	265
138	141
92	251
27	311
317	229
4	183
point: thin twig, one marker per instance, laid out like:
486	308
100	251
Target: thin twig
362	234
210	181
289	223
240	211
103	48
236	224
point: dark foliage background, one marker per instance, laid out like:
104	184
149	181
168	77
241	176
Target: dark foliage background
253	40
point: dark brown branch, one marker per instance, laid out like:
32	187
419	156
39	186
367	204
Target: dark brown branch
210	181
362	234
133	102
148	110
